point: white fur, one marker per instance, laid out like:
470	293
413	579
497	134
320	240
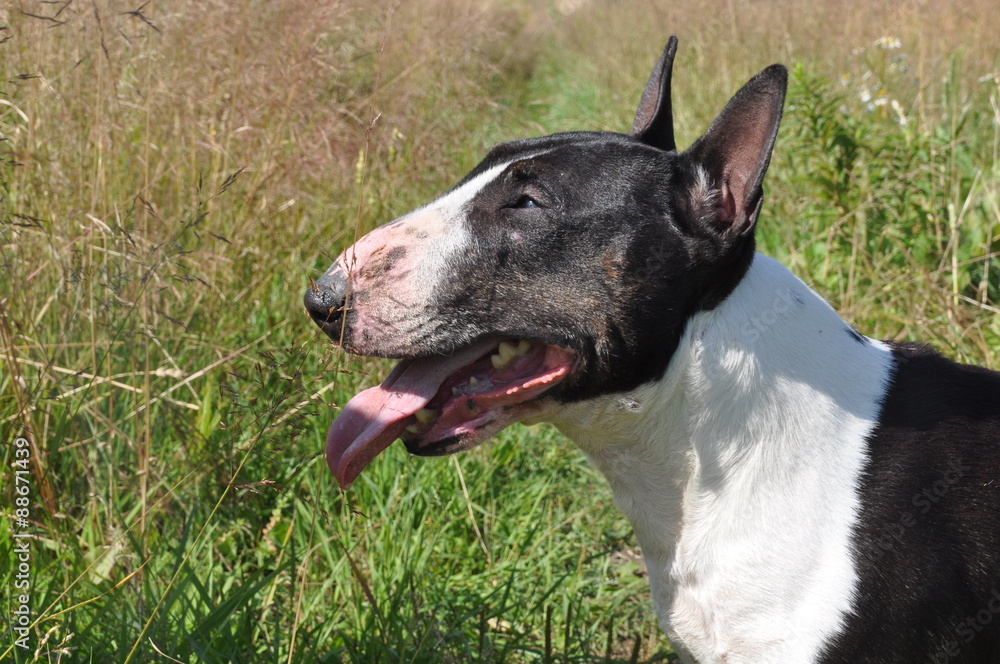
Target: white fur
739	471
445	220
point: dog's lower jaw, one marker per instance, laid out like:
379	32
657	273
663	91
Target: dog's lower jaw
746	518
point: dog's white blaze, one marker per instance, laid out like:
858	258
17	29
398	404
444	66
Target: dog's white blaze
444	220
739	470
442	235
428	239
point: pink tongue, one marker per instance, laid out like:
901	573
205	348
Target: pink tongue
373	419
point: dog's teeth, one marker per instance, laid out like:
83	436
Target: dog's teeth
474	382
413	428
455	391
425	415
508	351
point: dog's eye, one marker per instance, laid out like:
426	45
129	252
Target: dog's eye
525	201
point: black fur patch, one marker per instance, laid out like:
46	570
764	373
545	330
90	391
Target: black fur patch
928	539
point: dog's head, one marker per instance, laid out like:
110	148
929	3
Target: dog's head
560	269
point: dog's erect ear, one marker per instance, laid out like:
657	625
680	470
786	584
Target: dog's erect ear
654	119
736	150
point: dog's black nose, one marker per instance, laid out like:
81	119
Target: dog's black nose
325	300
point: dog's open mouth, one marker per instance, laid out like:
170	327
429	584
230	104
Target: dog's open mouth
443	404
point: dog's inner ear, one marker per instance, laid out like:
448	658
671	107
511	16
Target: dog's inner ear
654	120
734	154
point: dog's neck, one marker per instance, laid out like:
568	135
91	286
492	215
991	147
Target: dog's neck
738	470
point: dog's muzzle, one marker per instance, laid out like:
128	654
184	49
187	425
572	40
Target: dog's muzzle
326	301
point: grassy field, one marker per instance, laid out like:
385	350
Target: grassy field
173	173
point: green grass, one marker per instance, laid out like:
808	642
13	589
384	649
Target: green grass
172	176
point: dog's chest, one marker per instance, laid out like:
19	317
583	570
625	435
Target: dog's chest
739	473
748	575
748	582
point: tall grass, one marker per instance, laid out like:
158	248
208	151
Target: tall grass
173	173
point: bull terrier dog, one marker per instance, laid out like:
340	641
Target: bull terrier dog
801	493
